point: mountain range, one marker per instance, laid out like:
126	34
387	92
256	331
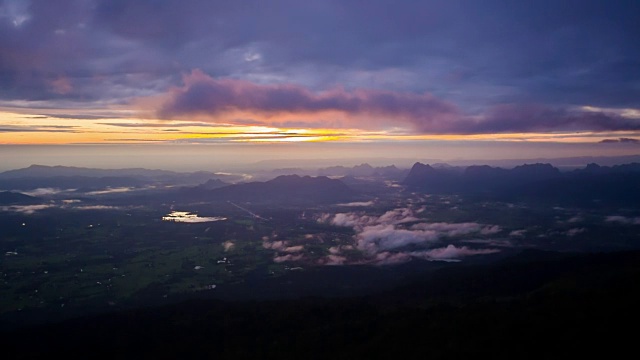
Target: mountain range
286	189
36	176
614	185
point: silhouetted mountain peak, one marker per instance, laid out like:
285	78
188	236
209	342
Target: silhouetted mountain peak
432	179
419	173
420	169
535	172
363	166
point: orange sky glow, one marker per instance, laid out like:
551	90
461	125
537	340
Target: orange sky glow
38	130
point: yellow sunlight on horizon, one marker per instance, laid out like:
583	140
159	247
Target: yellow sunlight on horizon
17	128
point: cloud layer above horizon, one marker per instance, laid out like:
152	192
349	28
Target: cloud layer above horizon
427	67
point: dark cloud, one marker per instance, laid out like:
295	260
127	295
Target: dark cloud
126	140
60	52
469	56
620	140
623	220
153	125
540	118
76	116
49	129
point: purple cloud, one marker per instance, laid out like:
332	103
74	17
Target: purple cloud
202	94
424	113
540	118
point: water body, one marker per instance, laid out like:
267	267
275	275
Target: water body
188	217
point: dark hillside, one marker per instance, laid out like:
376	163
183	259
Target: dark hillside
535	305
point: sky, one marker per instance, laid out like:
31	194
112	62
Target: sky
314	79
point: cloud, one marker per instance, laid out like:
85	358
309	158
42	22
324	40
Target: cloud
216	98
384	238
116	190
523	117
359	220
414	64
620	140
228	245
275	245
575	231
518	233
105	115
288	257
455	229
452	252
44	191
335	260
71	201
282	246
391	258
387	237
490	242
159	124
38	129
26	209
490	230
293	249
349	219
204	95
334	250
623	219
111	191
358	204
108	207
187	217
397	216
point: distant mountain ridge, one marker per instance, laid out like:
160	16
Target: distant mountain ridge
618	184
594	168
52	171
284	189
364	170
37	176
70	182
